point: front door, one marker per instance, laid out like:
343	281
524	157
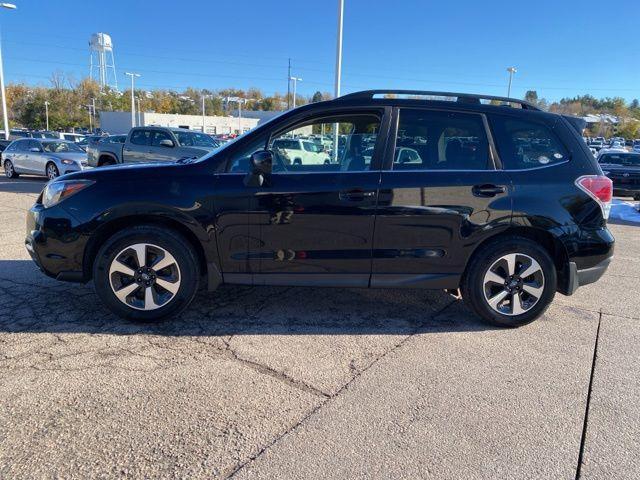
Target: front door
440	196
312	222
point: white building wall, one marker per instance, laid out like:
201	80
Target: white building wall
120	122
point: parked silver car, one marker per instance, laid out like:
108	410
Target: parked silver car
40	156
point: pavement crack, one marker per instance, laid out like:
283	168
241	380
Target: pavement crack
583	439
329	397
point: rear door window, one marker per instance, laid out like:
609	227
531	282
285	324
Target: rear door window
524	144
141	137
437	140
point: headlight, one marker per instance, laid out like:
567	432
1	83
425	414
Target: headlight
55	192
66	161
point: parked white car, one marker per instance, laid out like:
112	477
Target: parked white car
302	152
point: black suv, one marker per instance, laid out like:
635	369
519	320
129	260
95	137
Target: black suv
486	196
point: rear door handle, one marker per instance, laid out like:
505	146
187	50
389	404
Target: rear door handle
356	195
488	190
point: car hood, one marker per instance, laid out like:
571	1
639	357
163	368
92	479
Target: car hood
78	156
613	167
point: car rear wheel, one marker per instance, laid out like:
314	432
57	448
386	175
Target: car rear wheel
52	171
9	171
146	273
510	282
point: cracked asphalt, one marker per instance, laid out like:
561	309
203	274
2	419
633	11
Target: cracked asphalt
306	383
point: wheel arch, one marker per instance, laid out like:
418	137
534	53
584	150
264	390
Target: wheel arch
551	243
208	268
104	156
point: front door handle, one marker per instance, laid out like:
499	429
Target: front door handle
488	190
356	195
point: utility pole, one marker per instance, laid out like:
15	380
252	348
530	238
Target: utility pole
289	85
46	113
139	113
338	79
133	100
511	71
295	81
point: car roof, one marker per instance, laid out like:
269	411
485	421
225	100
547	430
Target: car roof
444	100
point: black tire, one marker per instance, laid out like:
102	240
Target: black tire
51	171
473	283
167	239
107	162
9	170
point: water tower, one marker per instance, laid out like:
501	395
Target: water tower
101	61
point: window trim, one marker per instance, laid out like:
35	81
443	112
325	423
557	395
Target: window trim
550	128
493	163
384	112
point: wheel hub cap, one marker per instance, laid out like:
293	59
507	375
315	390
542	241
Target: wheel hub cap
144	276
513	284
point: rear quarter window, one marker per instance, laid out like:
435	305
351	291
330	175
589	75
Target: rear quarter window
524	144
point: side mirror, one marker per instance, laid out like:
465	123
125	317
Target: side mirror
167	143
34	150
261	165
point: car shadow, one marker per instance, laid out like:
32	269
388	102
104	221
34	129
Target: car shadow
33	303
22	184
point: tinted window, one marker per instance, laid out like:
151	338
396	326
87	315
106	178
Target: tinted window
430	140
240	161
60	147
193	139
141	137
159	136
32	144
14	147
523	144
347	144
626	159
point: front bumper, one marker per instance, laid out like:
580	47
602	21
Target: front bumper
55	242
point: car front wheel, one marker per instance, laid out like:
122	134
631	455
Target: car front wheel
52	171
510	282
146	273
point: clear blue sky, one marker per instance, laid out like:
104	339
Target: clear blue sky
560	47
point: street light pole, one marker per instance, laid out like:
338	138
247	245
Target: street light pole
133	100
46	113
511	71
203	111
338	79
5	115
295	84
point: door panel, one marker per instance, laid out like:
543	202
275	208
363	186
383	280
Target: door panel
319	223
428	223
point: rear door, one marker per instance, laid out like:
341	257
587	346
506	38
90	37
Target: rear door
441	193
137	147
34	161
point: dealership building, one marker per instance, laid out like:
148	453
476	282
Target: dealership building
120	122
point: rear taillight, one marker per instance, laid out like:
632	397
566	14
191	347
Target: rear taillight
598	187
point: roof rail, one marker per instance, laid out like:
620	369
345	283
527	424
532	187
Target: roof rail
460	97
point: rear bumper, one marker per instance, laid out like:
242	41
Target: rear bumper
585	276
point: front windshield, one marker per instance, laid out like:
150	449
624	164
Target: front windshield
628	159
60	147
193	139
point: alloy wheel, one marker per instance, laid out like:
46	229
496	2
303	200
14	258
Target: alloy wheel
52	171
8	169
144	276
513	284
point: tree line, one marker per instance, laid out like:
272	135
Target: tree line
70	102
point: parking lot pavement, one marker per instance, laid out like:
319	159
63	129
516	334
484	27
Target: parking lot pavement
294	382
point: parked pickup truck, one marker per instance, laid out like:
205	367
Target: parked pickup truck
150	144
